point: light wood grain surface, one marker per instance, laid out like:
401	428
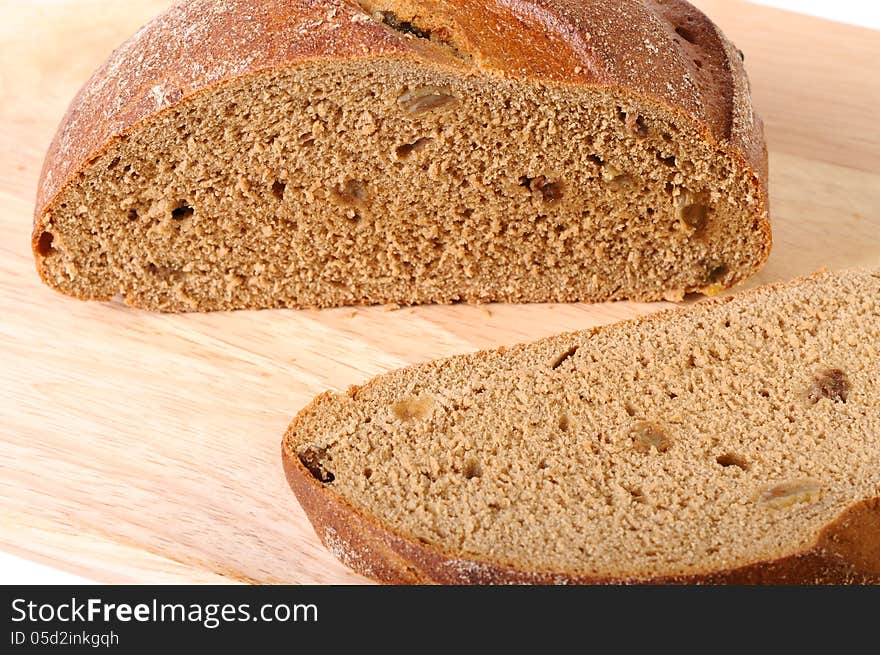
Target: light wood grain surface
139	447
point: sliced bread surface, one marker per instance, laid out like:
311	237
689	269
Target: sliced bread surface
297	153
737	440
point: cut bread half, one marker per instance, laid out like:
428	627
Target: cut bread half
300	153
734	441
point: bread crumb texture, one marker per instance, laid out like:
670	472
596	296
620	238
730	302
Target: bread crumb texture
389	156
687	443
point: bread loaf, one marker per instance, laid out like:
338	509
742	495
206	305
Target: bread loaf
248	154
735	441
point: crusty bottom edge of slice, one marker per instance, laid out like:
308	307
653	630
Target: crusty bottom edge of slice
842	553
378	553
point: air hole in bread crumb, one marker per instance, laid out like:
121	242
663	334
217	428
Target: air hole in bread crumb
278	188
133	214
832	384
471	468
44	244
559	361
637	494
716	274
408	149
729	459
314	458
666	161
183	210
634	122
686	33
698	63
629	409
165	272
549	191
391	19
695	215
638	126
564	422
368	473
113	164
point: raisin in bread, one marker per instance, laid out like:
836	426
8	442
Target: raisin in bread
735	441
294	153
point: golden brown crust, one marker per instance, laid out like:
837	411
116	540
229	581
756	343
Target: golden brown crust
846	551
665	52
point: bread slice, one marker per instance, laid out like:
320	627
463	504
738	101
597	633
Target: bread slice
735	441
290	153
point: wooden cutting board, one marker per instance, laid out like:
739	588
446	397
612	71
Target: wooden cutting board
139	447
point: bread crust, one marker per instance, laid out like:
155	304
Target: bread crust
633	47
846	550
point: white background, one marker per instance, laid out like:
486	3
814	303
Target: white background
857	12
14	570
